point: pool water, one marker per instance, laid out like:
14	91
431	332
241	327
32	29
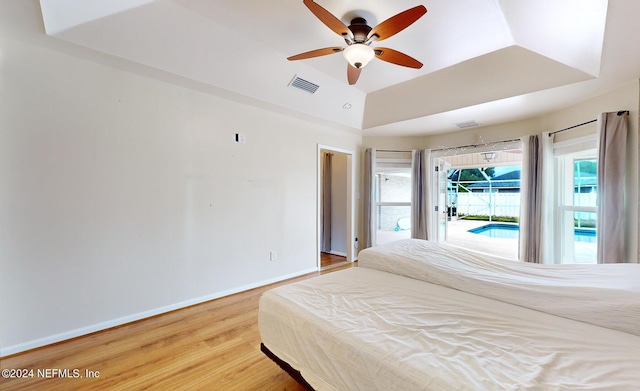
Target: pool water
496	230
511	231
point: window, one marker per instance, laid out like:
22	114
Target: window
576	204
392	197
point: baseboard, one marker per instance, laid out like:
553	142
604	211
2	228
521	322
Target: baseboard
337	253
79	332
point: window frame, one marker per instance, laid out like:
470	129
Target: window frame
399	162
565	154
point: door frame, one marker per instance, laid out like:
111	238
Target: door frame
440	197
350	220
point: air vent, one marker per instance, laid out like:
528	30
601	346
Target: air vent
304	85
467	124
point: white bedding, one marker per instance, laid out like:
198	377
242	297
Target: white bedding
365	329
606	295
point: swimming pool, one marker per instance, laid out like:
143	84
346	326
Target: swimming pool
511	231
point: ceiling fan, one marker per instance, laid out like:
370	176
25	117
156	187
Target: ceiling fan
359	36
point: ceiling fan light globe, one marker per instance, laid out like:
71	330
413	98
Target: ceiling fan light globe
358	54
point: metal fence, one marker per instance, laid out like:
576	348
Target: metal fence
489	204
508	204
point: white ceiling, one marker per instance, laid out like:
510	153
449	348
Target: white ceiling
490	61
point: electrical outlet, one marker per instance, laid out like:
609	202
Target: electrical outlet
273	256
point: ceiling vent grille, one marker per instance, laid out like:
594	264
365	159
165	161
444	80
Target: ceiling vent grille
467	124
304	85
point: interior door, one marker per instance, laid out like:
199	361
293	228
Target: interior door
441	189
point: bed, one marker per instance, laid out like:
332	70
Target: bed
418	315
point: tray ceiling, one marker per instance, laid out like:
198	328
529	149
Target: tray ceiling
485	60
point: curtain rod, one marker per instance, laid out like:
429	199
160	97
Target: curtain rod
504	141
584	123
476	145
571	127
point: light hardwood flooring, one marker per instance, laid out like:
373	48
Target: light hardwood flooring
330	260
210	346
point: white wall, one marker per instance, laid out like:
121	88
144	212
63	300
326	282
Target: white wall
123	196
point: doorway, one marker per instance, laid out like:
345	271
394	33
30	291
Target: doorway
335	207
478	200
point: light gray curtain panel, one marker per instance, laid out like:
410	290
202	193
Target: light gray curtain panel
420	195
531	200
612	145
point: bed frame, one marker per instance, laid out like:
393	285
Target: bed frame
287	368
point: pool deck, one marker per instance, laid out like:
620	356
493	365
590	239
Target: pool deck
457	234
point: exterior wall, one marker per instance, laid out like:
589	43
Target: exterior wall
394	188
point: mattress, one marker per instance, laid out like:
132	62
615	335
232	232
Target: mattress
366	329
606	295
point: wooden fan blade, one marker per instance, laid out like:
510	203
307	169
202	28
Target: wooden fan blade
327	18
353	74
397	23
396	57
316	53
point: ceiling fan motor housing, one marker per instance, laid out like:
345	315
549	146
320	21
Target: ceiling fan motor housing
360	30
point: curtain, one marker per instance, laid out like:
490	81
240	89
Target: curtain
326	202
420	194
536	201
547	212
612	135
367	197
530	200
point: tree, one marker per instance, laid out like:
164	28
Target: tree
586	167
474	174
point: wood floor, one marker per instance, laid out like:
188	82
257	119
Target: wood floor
330	260
210	346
